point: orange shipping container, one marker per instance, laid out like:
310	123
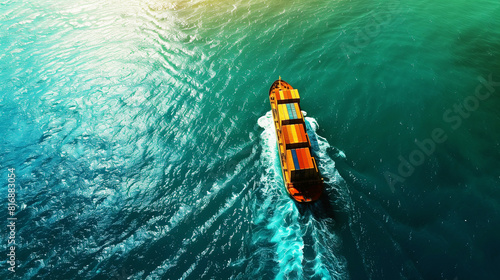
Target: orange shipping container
291	134
308	156
300	133
284	132
306	159
289	161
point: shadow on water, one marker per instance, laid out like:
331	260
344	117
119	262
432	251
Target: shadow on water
324	208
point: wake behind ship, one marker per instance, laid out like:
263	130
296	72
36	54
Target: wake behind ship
300	172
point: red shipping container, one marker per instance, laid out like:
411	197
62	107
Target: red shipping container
301	156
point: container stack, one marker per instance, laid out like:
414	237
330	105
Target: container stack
290	113
287	96
294	143
300	164
295	136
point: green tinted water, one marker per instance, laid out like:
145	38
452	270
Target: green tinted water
143	145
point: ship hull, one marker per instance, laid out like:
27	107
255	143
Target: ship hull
301	176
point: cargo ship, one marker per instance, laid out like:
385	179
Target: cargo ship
303	181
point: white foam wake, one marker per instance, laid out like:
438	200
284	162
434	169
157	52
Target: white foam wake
299	245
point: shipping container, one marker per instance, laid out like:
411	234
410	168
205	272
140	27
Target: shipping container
297	110
289	113
283	97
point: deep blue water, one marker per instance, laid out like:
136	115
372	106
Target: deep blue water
142	141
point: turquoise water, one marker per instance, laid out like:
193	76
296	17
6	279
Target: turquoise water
143	146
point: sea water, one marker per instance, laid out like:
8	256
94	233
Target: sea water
141	140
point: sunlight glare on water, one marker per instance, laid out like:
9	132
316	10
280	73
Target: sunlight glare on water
144	148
